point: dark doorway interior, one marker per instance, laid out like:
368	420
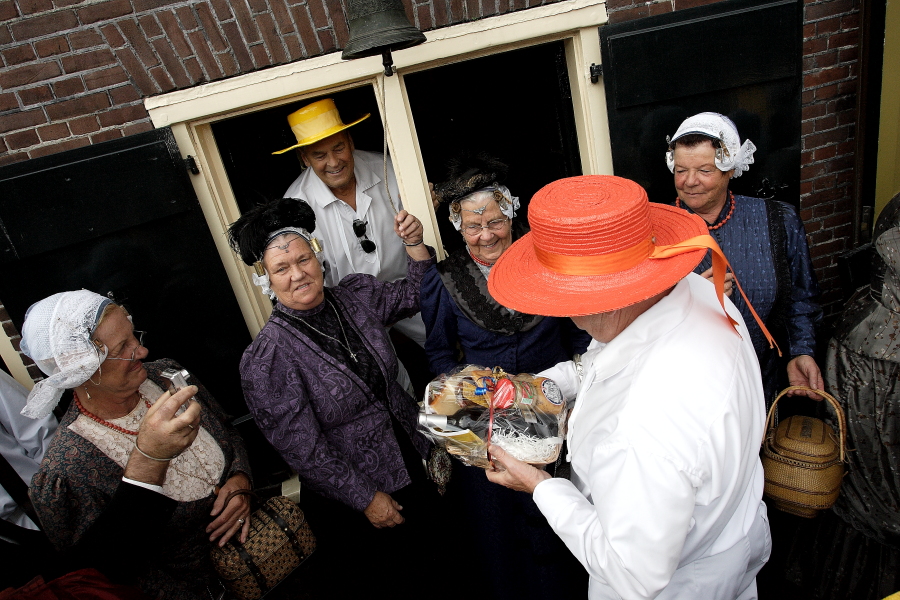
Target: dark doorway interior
516	105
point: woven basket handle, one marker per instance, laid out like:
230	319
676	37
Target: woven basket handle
842	425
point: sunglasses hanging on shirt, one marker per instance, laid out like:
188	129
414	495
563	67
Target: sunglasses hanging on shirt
359	230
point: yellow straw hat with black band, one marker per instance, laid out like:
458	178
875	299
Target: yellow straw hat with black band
316	122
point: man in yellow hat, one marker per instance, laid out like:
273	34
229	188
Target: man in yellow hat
665	497
354	205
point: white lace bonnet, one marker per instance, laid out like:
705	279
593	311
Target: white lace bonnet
732	156
509	204
57	336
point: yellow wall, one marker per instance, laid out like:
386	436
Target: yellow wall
888	176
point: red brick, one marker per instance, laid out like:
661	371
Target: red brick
805	188
9	159
113	37
809	172
814	45
839	40
207	60
51	47
8	101
806	127
423	18
136	128
105	136
503	6
282	16
88	60
812	111
136	71
294	47
820	61
821	10
150	26
77	106
133	34
171	62
238	47
8	10
194	70
441	13
87	38
52	132
807	97
22	139
186	18
30	73
473	10
659	8
319	13
174	34
809	30
824	153
68	87
824	183
832	136
30	7
824	93
69	144
84	125
850	21
124	94
125	114
18	54
307	35
211	27
105	78
825	123
846	147
222	9
260	56
341	30
152	5
847	87
35	95
629	14
848	54
162	79
271	38
680	4
828	26
5	35
229	66
617	4
104	11
327	39
844	103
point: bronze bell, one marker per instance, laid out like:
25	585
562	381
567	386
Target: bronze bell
377	27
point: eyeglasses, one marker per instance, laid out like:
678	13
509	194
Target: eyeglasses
495	225
359	230
140	339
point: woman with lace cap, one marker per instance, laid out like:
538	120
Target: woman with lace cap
461	315
763	239
131	484
321	382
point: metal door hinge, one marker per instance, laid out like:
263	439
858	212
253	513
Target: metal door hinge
596	72
191	165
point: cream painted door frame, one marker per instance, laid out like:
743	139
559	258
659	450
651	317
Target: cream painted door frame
191	112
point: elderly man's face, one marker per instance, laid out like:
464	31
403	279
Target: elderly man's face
331	160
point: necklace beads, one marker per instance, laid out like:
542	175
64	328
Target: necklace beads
725	220
104	422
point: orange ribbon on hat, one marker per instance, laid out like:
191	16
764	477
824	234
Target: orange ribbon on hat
720	265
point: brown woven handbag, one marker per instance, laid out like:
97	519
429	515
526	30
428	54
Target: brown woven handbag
803	459
279	541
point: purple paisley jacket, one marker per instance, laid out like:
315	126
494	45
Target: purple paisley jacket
317	413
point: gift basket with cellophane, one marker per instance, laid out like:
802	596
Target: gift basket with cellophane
524	414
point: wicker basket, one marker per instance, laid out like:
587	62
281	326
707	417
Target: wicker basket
803	460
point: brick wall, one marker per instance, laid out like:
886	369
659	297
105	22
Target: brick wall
75	72
828	104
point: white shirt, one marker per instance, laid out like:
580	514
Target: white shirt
664	444
334	227
22	442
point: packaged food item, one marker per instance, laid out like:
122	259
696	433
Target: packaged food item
524	414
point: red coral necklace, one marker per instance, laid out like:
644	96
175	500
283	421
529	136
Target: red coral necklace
725	220
104	422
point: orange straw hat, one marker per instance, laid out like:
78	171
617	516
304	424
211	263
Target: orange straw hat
590	248
316	122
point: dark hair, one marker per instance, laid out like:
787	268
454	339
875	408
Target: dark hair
695	139
248	235
469	172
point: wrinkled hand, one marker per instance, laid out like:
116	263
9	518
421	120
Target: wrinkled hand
803	370
408	227
164	435
383	511
226	523
513	473
729	280
435	199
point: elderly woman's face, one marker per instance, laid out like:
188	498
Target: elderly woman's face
119	378
700	185
488	234
295	274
